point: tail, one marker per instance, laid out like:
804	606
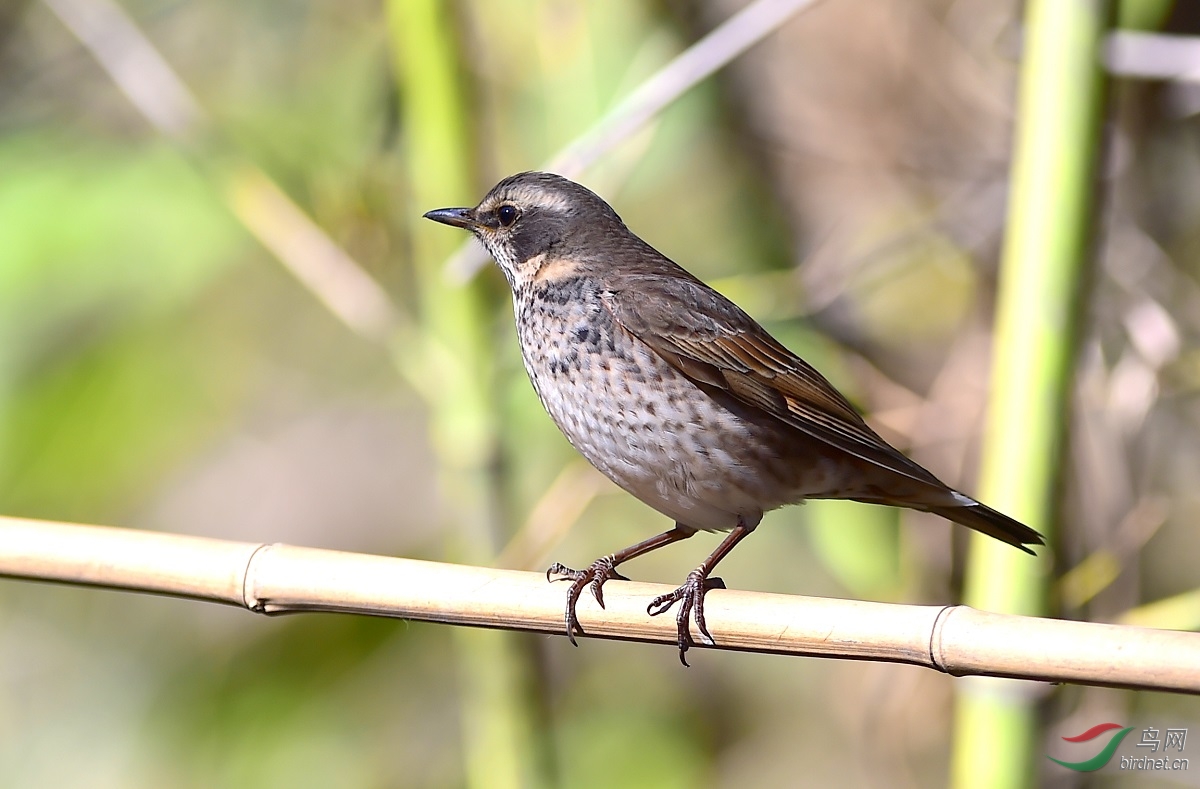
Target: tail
984	519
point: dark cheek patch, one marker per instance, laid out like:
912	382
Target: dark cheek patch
536	232
527	242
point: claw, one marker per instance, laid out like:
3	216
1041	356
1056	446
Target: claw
690	597
560	569
598	591
605	569
594	577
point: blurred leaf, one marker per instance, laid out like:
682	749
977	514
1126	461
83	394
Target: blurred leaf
930	271
310	702
1088	578
105	424
1181	612
859	544
1143	14
100	232
101	246
643	749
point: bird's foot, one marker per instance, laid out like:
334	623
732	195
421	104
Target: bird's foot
690	597
595	576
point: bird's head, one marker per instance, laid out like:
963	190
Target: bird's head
531	216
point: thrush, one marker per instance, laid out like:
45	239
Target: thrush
677	395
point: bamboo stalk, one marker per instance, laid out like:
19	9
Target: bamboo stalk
277	579
1042	280
451	349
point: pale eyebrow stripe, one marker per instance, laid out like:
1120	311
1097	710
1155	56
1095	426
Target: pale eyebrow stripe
532	199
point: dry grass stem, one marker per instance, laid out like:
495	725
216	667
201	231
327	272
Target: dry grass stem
695	64
161	96
324	268
556	511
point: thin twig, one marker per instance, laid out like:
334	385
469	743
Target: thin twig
324	268
1145	55
692	66
695	64
161	96
275	579
136	67
556	511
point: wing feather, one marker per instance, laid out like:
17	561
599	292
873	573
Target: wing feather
712	341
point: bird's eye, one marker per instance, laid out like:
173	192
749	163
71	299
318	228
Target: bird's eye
507	214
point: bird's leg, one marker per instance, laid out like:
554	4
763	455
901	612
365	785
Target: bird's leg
690	596
604	569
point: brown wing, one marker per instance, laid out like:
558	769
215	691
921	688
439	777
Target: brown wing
712	341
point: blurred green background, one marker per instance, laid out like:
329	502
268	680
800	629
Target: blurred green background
162	367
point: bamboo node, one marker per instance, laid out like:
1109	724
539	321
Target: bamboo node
250	597
936	659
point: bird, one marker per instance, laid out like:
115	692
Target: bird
677	395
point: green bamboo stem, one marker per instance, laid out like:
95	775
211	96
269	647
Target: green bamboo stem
451	362
1042	274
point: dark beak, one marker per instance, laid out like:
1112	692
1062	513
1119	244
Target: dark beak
455	217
